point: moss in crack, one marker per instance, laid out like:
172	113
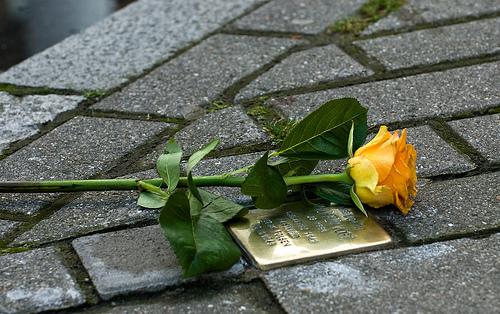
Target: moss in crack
74	265
272	123
218	105
95	95
11	250
494	110
260	112
25	91
279	129
450	135
370	12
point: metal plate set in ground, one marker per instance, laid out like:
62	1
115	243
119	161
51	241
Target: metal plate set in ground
299	232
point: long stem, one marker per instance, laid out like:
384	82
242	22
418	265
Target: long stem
132	184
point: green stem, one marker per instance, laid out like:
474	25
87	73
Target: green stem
319	178
132	184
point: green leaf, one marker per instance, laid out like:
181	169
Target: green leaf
199	155
219	208
336	192
350	141
324	133
295	167
150	200
168	165
192	162
198	237
215	249
151	196
265	184
175	221
357	201
193	189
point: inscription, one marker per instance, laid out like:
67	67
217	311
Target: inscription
296	220
282	230
290	230
281	238
311	237
261	232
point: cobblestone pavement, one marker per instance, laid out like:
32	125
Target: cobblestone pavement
101	104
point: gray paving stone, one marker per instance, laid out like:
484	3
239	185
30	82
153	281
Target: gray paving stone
228	298
231	126
180	87
125	44
134	260
330	166
7	226
316	65
78	149
303	16
458	276
416	12
434	155
94	211
21	117
482	133
435	45
36	281
438	94
449	209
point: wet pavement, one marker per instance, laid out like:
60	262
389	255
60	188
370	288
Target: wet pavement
28	27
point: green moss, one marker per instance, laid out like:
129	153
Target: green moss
218	105
353	25
494	110
370	12
11	250
95	95
279	129
259	112
24	91
276	126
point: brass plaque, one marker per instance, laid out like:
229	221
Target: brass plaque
296	232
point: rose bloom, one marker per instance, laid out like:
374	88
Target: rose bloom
384	171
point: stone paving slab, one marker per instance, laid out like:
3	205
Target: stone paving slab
7	226
302	16
36	281
312	66
458	276
21	117
124	44
482	133
94	211
134	260
434	155
435	45
449	209
424	96
25	203
231	126
416	12
251	298
78	149
178	88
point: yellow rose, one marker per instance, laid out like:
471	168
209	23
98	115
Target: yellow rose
384	171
